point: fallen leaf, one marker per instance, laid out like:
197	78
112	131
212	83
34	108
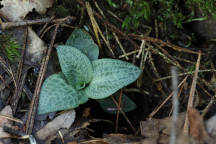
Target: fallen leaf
158	130
150	128
16	10
64	120
149	141
197	129
7	111
122	139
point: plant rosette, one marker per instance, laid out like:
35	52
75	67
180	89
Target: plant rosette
83	75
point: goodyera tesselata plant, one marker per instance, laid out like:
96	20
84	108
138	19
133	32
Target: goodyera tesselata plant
83	75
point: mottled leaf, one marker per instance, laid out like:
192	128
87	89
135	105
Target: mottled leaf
109	106
109	76
83	41
57	95
82	97
76	66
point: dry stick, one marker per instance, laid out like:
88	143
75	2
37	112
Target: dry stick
11	118
46	30
142	46
8	70
123	113
156	73
142	64
128	54
166	59
206	109
168	55
120	45
119	107
186	73
160	106
7	25
10	79
20	79
18	92
175	103
191	96
97	28
179	93
93	21
44	27
155	40
28	92
34	102
116	30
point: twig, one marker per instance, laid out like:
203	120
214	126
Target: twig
119	107
166	59
11	118
7	25
156	73
120	45
34	102
123	113
28	92
206	109
142	46
128	54
155	40
97	29
10	79
175	105
8	70
186	73
179	93
165	52
160	106
144	56
19	77
18	93
191	96
116	30
44	27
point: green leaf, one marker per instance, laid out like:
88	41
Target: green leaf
76	66
82	97
109	76
109	106
83	41
57	95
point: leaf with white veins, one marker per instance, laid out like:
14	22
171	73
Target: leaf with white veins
83	41
57	95
109	76
76	66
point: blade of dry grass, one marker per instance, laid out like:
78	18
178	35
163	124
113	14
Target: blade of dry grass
191	96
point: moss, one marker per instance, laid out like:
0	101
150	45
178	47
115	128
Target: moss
9	47
61	11
175	11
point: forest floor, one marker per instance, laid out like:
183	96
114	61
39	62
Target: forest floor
160	47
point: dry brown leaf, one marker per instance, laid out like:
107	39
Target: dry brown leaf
64	120
16	10
150	128
158	130
197	129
